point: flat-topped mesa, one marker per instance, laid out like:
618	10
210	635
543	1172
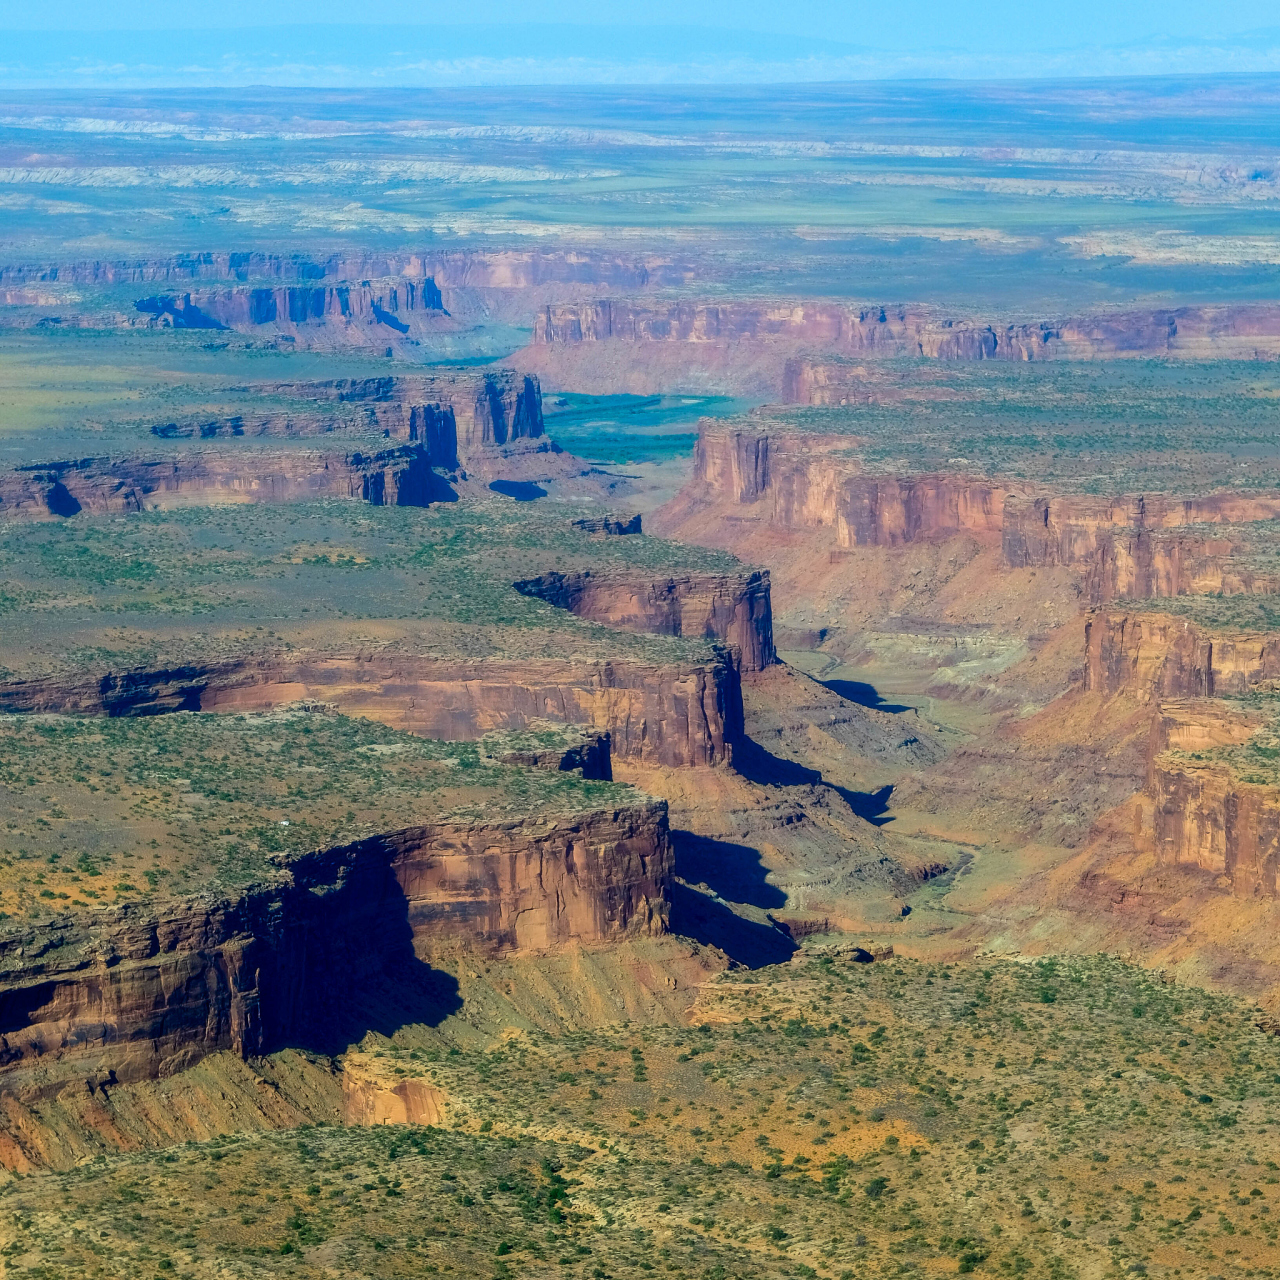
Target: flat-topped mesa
733	608
791	342
1133	546
1215	802
455	414
493	269
134	993
396	476
367	313
1158	655
678	715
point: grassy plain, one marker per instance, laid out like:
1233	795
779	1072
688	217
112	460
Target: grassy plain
1068	1118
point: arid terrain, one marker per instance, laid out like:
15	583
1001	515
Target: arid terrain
697	696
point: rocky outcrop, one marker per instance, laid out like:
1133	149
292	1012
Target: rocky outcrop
734	608
1134	547
669	714
498	269
610	526
397	476
1125	546
356	314
1156	655
792	341
813	482
133	993
1204	815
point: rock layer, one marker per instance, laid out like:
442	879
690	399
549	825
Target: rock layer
397	476
677	715
1203	815
130	993
734	608
1156	655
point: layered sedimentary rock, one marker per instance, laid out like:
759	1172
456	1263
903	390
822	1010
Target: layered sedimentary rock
788	339
498	269
1204	813
812	482
611	525
1134	546
678	715
1124	545
1148	654
133	993
393	306
396	476
734	608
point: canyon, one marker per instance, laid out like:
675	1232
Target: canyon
783	350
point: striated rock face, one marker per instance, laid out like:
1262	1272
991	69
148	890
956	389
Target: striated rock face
806	482
368	313
498	269
783	337
734	608
1158	655
1136	547
128	994
398	476
610	526
1119	543
659	714
454	415
1203	815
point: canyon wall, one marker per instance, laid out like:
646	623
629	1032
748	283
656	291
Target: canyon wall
734	608
134	992
372	313
1203	814
1149	654
669	714
811	482
789	340
497	269
396	476
1134	546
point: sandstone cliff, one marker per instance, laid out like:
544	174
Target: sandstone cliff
814	482
397	476
456	415
132	993
734	608
677	715
639	346
1134	546
1204	813
1148	654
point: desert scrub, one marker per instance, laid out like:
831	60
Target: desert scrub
100	809
448	568
818	1118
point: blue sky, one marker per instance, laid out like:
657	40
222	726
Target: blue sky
555	41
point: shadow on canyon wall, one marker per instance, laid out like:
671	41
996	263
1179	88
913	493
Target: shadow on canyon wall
759	765
697	915
865	695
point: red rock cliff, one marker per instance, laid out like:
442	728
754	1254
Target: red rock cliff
676	715
734	608
130	994
1160	655
397	476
